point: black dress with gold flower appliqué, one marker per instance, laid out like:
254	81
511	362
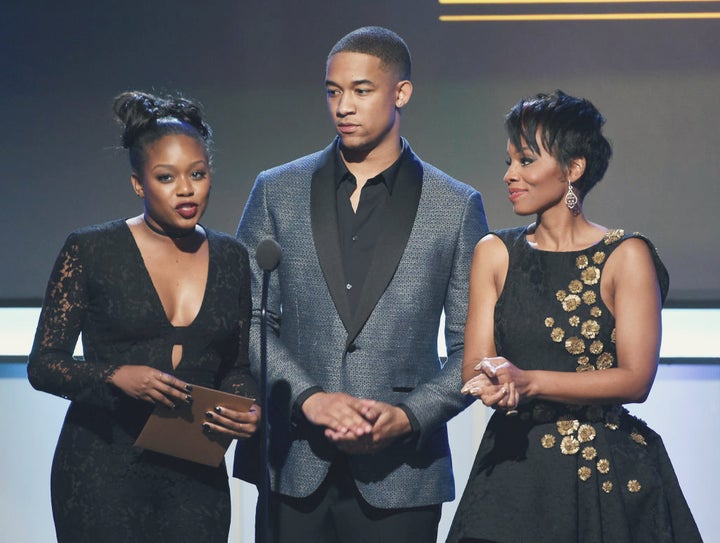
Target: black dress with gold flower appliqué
566	473
103	488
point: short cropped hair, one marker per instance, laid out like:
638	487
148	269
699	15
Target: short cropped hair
379	42
569	127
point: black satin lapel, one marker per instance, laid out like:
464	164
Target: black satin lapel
399	217
323	217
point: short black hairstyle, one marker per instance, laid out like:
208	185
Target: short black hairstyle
146	118
379	42
569	127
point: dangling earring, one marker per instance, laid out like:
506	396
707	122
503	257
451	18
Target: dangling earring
571	200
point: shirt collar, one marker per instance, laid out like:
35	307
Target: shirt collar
388	176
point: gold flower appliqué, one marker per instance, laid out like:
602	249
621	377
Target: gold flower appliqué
569	445
591	275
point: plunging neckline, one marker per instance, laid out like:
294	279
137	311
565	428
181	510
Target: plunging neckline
158	300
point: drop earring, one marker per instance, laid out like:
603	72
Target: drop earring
571	200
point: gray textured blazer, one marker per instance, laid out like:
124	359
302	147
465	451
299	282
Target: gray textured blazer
387	349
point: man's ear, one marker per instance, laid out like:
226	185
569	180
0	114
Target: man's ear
404	92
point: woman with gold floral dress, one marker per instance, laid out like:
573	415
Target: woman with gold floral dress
563	329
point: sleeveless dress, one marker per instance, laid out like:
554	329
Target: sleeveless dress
567	473
103	488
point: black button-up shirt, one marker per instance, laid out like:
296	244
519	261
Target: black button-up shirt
360	231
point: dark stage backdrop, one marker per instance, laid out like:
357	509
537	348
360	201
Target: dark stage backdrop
258	67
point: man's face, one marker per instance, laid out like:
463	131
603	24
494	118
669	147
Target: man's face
363	99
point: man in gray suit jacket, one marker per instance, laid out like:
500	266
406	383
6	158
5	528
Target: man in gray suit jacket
376	244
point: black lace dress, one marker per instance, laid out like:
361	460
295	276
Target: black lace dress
103	488
566	473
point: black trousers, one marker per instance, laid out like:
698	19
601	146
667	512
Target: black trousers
337	513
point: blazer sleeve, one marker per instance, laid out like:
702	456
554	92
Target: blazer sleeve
438	400
256	224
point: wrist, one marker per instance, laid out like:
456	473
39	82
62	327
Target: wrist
533	386
405	422
110	377
300	402
309	401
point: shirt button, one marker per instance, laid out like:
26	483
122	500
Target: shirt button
348	286
354	238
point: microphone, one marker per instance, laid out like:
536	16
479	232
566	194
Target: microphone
268	254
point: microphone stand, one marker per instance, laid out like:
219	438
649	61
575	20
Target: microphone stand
264	489
267	255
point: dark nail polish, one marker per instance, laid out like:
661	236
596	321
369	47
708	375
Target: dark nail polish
188	388
188	398
218	409
209	414
206	428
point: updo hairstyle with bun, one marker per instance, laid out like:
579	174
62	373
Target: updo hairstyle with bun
146	118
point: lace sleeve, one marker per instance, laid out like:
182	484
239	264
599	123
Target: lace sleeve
235	376
51	366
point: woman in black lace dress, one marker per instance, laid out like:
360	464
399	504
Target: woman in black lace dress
162	303
563	328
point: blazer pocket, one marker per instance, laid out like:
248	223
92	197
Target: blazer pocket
405	389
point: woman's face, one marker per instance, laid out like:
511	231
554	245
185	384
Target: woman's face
174	182
536	182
